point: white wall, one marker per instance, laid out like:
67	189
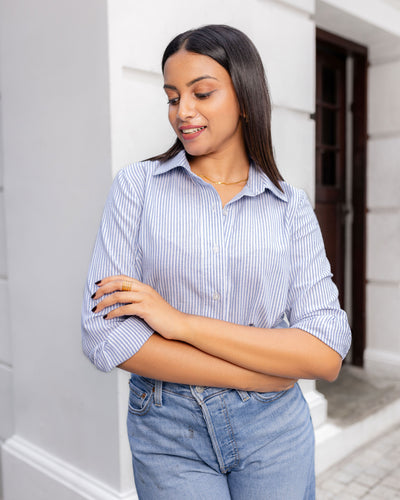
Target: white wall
56	162
6	388
383	270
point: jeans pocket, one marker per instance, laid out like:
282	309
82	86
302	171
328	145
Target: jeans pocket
267	397
139	399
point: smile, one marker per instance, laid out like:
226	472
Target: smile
192	130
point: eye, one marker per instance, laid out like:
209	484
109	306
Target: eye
173	101
203	95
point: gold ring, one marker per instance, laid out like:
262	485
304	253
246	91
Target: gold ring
126	286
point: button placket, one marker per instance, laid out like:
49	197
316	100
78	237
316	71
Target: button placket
216	296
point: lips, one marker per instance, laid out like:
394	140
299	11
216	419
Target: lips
191	130
188	132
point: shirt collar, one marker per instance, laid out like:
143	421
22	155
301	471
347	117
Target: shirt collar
178	160
258	180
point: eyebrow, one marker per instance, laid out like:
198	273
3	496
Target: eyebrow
192	82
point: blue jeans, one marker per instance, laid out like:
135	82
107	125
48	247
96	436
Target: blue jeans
191	442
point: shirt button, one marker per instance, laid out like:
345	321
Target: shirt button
224	211
199	389
216	296
215	248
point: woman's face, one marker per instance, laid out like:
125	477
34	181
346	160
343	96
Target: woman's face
203	107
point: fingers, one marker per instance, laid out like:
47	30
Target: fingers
118	277
121	289
121	311
116	283
118	298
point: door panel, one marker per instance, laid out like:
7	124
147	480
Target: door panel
332	51
331	158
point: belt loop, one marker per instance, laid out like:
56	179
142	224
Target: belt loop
244	395
158	393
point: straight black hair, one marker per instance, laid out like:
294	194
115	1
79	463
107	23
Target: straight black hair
235	52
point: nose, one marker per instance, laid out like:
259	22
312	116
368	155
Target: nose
186	108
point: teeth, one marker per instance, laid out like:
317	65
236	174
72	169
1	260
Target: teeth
192	130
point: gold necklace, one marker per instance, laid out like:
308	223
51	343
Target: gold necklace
220	182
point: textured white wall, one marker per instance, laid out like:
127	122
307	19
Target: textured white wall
56	136
6	388
383	270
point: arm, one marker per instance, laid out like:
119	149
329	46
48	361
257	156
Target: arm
107	344
178	362
287	352
283	352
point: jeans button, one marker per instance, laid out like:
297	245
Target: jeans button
199	389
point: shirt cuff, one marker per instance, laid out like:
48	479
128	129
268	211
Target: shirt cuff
121	343
333	331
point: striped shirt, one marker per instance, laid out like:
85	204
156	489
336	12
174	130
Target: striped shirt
257	261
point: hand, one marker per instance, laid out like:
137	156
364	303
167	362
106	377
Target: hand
139	300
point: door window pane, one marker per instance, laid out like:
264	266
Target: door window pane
328	167
329	117
329	90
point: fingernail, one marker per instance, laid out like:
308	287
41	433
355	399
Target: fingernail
105	316
97	282
92	297
94	309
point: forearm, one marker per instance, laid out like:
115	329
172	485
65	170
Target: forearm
291	353
285	352
174	361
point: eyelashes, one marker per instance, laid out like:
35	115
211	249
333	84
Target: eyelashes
173	101
201	96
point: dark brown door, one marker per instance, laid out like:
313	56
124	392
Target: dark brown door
331	158
333	168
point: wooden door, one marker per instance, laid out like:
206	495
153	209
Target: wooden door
331	158
332	171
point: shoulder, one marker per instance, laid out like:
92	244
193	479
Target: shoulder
294	195
138	171
297	200
134	178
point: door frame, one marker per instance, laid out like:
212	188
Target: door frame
359	53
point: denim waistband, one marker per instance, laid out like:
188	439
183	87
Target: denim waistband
157	387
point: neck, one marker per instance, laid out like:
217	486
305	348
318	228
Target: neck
222	169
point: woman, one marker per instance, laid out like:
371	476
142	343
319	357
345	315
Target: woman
214	291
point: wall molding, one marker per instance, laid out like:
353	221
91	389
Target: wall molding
50	468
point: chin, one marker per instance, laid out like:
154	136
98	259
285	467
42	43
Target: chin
195	151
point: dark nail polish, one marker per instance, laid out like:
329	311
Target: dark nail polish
105	316
94	309
97	282
92	297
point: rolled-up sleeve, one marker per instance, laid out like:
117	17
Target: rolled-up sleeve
313	304
107	343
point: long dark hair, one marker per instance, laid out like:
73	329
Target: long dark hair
234	51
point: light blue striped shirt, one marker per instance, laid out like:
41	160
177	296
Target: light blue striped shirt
256	261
